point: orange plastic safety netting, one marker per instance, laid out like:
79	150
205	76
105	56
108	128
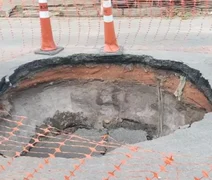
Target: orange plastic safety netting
67	156
78	27
139	25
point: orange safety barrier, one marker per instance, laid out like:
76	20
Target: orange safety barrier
139	25
83	156
111	45
48	46
151	27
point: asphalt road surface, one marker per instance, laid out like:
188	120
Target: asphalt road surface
189	41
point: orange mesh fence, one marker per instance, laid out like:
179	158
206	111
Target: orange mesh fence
182	25
85	157
78	26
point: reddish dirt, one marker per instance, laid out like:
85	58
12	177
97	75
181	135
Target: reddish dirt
191	95
1	107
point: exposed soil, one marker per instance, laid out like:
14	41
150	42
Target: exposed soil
92	109
121	103
144	75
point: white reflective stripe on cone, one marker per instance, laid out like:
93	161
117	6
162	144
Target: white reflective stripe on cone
44	14
42	1
108	19
107	4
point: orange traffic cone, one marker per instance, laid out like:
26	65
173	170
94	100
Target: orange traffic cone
48	46
111	45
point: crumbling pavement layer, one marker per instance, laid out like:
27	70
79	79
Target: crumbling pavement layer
154	152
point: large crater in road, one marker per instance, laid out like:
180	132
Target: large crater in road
127	98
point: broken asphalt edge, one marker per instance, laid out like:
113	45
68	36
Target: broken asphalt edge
25	70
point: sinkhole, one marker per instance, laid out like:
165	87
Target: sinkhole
88	105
